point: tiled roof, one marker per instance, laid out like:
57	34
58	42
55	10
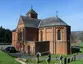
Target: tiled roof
37	23
52	21
30	22
31	11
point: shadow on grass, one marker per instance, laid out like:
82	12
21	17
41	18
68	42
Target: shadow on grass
42	61
1	61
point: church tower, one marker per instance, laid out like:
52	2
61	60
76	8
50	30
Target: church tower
32	14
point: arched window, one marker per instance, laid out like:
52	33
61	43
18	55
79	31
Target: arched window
20	36
58	35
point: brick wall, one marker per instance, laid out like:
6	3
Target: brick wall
56	46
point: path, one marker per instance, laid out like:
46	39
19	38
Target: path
80	56
20	61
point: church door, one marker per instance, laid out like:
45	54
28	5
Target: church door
28	49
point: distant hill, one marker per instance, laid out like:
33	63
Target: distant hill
77	36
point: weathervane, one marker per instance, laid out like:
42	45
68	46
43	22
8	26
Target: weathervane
31	7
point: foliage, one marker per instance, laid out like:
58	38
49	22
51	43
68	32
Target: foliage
77	36
5	35
80	45
75	49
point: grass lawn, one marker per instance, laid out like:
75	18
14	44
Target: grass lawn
77	62
6	59
54	62
43	62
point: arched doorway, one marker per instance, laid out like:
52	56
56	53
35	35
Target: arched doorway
28	49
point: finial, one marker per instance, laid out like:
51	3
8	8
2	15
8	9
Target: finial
31	7
56	13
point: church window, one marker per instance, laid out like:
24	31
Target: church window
20	36
58	35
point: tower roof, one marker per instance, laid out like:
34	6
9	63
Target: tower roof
30	22
31	11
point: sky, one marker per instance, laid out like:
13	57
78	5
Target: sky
70	11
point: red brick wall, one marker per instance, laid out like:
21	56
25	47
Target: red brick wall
31	34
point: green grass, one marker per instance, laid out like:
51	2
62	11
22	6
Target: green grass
77	62
6	59
53	62
43	62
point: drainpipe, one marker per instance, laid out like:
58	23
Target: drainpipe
53	39
23	39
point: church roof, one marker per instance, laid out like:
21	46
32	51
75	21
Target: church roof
37	23
30	22
31	11
52	21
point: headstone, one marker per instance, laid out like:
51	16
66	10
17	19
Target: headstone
68	60
65	61
37	56
71	59
56	58
1	48
49	58
74	57
61	59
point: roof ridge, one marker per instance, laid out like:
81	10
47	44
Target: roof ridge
32	11
39	23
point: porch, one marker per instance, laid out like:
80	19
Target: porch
42	47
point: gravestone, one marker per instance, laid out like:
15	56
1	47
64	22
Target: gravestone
49	58
74	57
71	59
68	60
56	58
37	56
61	57
65	61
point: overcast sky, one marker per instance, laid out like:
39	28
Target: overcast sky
71	11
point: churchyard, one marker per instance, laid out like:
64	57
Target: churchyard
75	58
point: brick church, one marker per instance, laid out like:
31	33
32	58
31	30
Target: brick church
34	35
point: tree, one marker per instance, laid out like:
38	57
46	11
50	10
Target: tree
5	35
